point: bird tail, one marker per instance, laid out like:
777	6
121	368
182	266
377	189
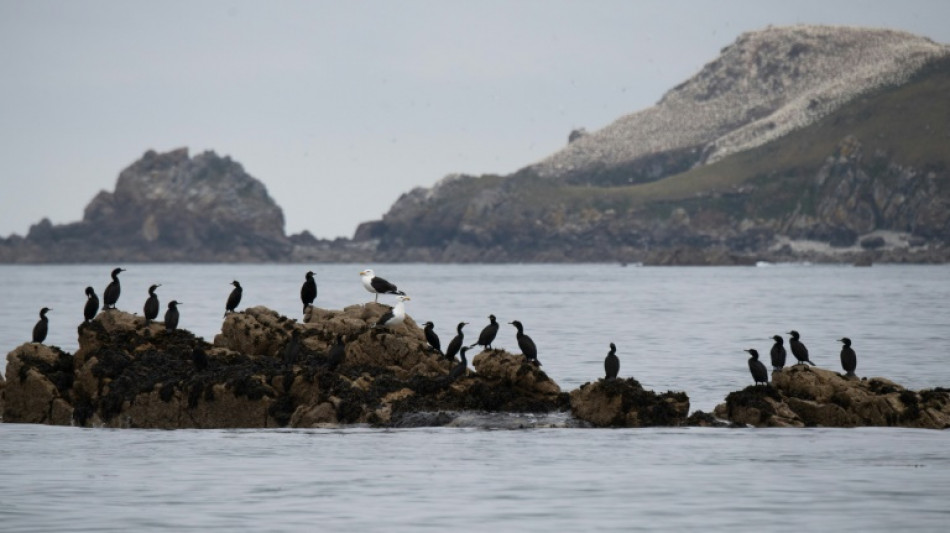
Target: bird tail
399	293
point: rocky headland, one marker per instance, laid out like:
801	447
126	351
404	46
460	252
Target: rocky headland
806	143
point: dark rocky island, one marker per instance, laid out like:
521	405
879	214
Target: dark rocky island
265	370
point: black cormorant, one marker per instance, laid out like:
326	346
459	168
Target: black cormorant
291	352
42	326
394	316
171	316
431	337
849	359
612	363
377	285
798	349
308	293
487	335
92	304
234	298
337	353
456	342
759	373
199	358
150	310
528	349
111	295
778	353
460	369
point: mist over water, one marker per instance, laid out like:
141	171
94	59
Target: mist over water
675	329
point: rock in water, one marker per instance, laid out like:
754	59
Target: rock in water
806	396
625	403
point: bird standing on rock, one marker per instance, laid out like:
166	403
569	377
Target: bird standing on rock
612	363
234	298
460	369
308	292
487	335
111	295
92	304
431	337
759	373
150	310
394	316
41	327
778	353
337	353
528	349
798	349
849	359
456	342
377	285
171	316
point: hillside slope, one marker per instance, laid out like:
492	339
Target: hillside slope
863	175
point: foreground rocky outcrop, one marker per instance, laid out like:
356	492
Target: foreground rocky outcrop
263	370
802	396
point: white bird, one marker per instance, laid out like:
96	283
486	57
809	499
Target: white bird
377	285
394	316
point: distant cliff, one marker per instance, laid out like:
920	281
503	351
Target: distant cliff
802	143
170	207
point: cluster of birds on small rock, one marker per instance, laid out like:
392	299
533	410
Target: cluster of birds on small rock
397	315
760	374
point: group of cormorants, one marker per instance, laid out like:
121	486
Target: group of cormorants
397	315
760	374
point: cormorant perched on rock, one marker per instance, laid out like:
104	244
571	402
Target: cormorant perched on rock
460	369
234	298
759	373
337	353
798	349
394	316
42	326
199	358
431	337
528	349
92	304
778	353
487	335
456	342
291	352
377	285
111	295
150	310
849	359
171	316
308	293
612	363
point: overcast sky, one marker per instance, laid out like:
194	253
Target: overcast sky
339	107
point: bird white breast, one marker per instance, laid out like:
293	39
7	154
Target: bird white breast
399	315
367	279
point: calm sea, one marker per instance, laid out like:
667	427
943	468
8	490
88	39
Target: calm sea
675	329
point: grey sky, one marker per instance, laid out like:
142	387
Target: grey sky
339	107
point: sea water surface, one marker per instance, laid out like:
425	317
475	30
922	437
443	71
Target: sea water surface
675	329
